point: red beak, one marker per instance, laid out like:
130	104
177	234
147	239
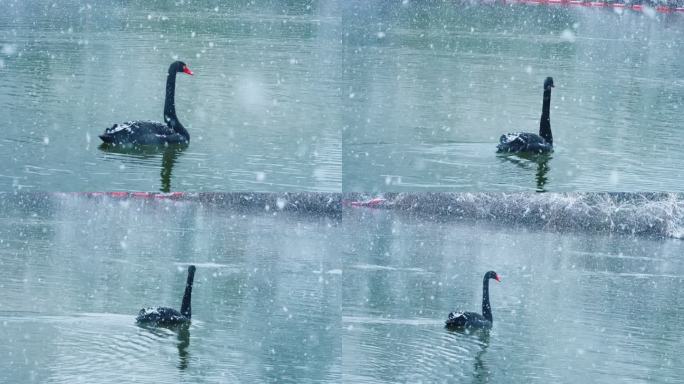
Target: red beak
187	70
497	278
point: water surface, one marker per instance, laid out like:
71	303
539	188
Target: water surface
430	87
261	108
286	291
76	270
574	307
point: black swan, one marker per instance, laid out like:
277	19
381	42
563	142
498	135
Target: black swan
530	142
165	316
145	132
473	319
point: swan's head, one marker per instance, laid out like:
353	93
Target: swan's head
548	83
179	66
492	275
191	272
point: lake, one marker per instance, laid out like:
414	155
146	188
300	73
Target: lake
262	108
570	307
431	86
295	288
78	268
341	96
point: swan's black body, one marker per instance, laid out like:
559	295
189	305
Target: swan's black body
472	319
164	316
530	142
145	132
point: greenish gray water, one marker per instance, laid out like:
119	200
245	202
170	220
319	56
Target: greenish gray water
572	307
430	87
331	96
301	296
262	108
76	269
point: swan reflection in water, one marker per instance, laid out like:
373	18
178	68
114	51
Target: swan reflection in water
183	344
527	162
169	155
182	333
481	373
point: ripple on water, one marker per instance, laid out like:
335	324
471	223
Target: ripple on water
102	347
375	267
384	349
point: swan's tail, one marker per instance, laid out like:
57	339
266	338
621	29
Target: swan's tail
109	135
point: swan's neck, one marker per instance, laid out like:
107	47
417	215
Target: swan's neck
170	117
486	308
169	100
545	122
186	308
